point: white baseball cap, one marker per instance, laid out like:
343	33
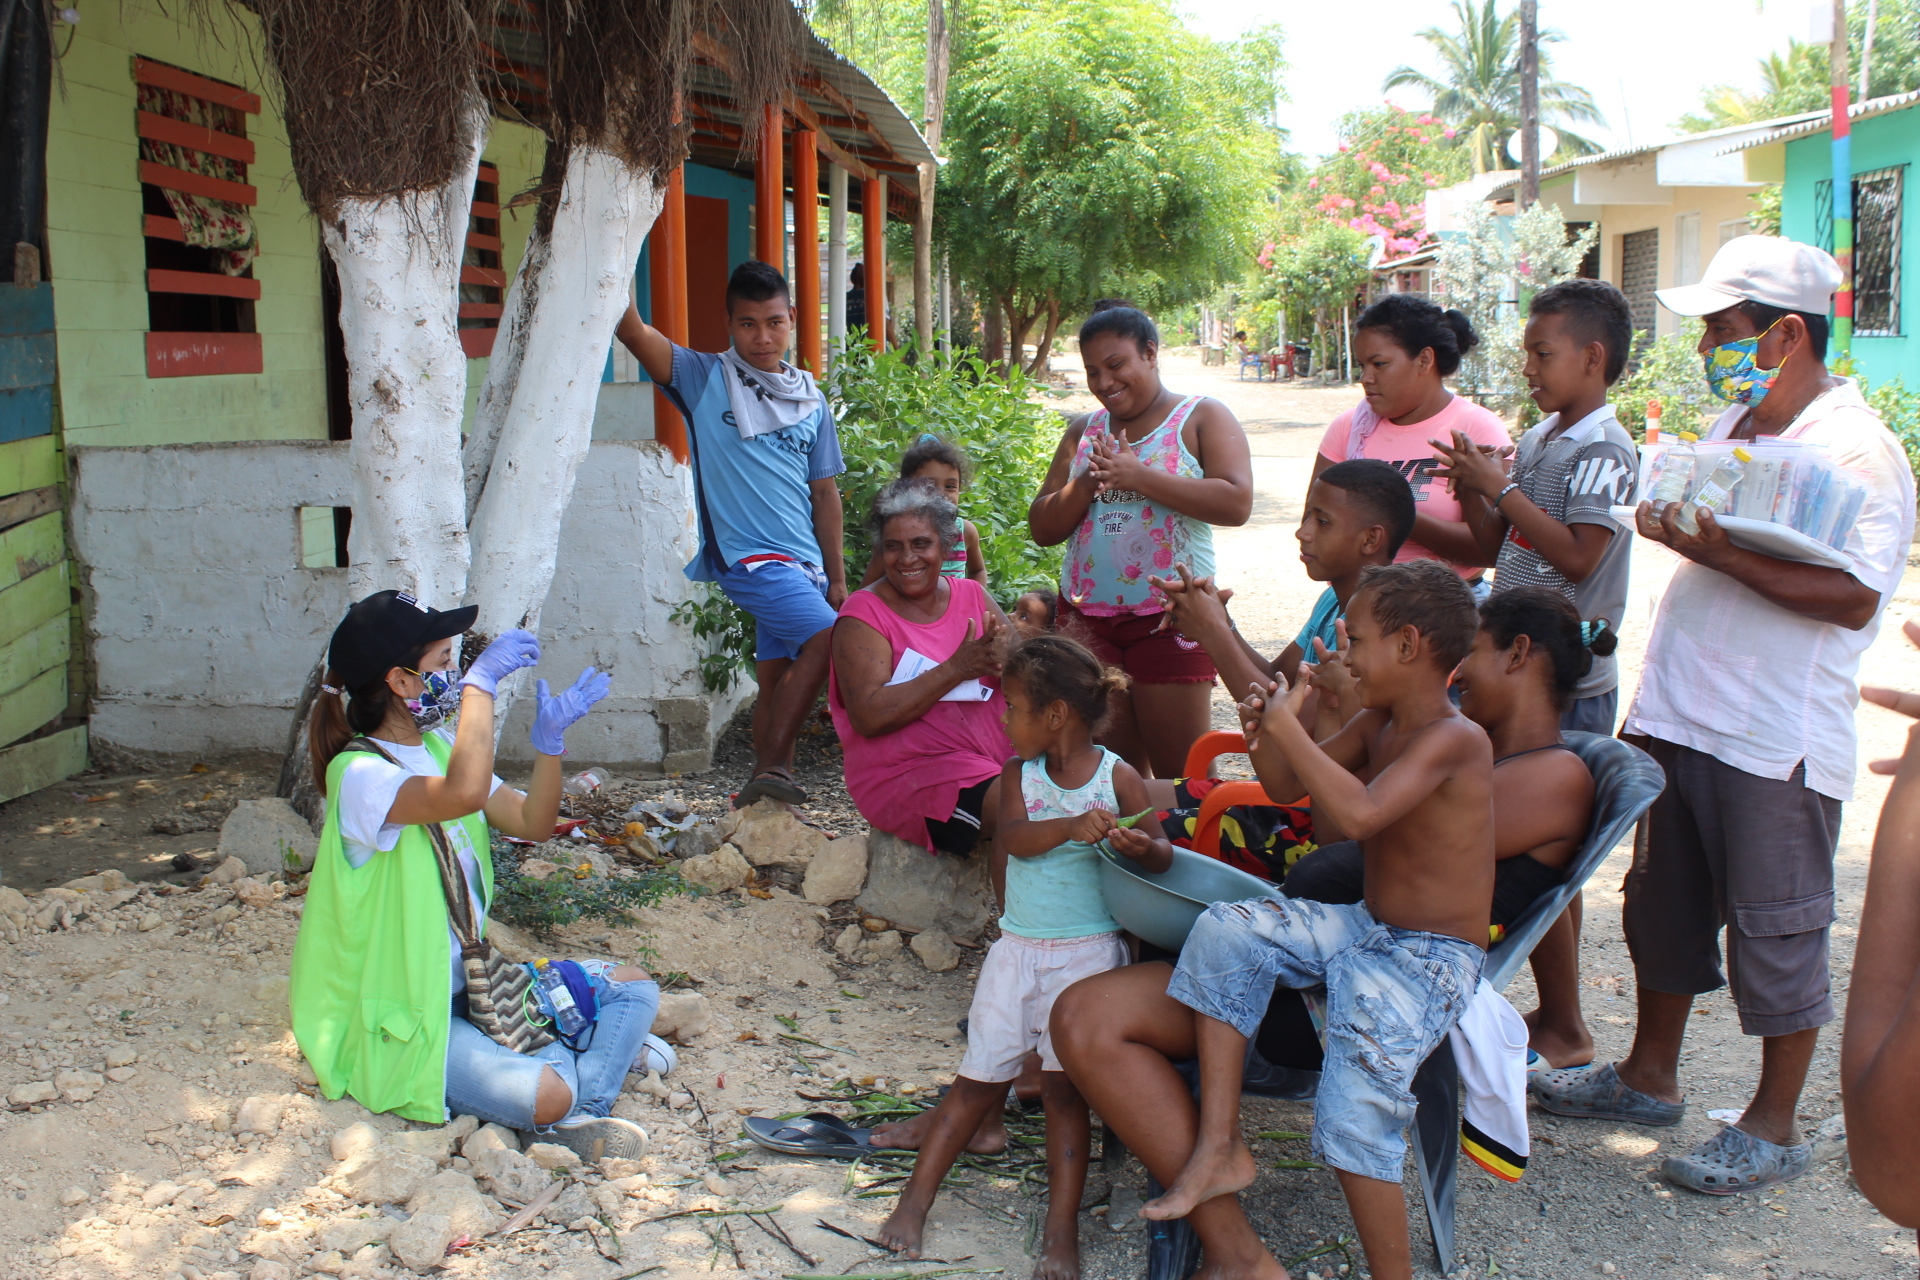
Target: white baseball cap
1771	270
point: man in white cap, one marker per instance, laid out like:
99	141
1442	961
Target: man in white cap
1747	700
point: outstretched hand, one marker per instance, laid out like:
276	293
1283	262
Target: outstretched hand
1907	704
555	713
509	652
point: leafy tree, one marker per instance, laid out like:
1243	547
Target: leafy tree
1478	91
1490	272
1313	274
1378	179
1797	80
1102	148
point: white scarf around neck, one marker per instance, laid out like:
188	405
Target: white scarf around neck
762	402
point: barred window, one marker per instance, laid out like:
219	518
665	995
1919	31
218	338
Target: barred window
1876	251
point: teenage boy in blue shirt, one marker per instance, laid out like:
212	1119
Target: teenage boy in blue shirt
765	453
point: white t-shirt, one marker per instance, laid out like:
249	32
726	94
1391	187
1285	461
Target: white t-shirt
1754	685
367	789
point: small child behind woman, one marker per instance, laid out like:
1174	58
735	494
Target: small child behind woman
1058	799
934	461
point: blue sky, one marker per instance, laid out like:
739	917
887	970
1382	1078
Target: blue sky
1646	61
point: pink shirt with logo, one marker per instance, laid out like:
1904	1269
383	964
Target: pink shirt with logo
1406	448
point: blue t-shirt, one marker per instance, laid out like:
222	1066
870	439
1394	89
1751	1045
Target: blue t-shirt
1326	612
752	494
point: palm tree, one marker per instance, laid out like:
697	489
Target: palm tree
1480	95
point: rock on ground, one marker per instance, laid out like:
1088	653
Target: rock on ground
936	950
683	1016
421	1241
837	872
769	834
721	870
383	1175
912	888
267	836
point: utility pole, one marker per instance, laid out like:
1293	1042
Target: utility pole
1842	184
934	110
1529	104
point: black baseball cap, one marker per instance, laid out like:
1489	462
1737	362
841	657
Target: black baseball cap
384	628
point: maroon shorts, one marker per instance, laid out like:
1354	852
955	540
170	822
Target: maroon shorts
1128	641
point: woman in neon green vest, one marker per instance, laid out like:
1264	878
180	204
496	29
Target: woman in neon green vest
378	996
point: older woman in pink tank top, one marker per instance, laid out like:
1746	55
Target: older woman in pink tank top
914	693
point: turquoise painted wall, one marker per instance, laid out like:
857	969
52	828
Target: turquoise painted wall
1880	142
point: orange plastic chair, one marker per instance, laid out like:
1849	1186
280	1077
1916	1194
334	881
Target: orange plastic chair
1200	758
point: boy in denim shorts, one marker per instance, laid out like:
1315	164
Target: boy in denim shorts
765	453
1412	780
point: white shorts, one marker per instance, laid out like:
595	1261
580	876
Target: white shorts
1013	1000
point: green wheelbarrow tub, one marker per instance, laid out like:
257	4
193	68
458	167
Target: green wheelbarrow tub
1161	908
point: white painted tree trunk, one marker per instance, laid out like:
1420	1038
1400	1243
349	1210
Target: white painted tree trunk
570	290
399	264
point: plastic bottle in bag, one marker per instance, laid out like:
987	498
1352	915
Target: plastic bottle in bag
567	1018
1672	474
1714	491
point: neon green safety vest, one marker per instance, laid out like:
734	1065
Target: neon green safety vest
371	968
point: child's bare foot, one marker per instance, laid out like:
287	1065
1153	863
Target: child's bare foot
1059	1256
1210	1172
902	1230
990	1139
1561	1046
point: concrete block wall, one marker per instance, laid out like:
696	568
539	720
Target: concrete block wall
202	623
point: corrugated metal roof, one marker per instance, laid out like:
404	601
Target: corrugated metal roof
1628	153
1822	121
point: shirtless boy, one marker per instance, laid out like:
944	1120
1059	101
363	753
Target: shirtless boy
1411	779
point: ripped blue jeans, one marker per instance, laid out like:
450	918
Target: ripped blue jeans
1391	995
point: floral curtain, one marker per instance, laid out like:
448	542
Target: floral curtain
209	223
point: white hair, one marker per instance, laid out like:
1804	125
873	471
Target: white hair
919	500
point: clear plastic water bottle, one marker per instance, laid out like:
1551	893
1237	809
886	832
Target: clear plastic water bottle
1673	473
567	1018
1714	491
585	784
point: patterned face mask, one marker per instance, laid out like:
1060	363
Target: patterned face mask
437	702
1735	376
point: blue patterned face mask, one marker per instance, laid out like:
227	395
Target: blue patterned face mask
1734	374
437	702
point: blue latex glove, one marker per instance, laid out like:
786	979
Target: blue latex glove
556	712
510	651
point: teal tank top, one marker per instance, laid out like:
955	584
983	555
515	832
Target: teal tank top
1125	537
1057	894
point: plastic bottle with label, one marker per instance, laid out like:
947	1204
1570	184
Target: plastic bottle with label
567	1018
1714	491
1672	474
584	783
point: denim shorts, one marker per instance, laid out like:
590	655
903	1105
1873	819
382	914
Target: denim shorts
489	1080
1392	995
788	601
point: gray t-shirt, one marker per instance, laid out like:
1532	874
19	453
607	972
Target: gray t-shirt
1575	477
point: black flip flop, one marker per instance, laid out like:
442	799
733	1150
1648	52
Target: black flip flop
818	1133
770	786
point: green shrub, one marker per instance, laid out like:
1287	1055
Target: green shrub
726	631
1900	410
1668	370
886	402
541	906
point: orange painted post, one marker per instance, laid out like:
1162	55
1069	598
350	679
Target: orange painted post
806	247
873	226
769	192
667	284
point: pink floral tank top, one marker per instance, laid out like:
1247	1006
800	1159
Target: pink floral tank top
1125	537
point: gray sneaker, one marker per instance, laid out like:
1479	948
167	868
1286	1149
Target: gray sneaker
1598	1093
597	1138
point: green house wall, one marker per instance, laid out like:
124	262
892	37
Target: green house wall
97	253
1879	142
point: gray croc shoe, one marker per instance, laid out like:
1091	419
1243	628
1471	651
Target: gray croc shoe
1598	1093
1733	1161
597	1138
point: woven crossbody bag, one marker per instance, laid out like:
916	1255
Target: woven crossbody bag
498	990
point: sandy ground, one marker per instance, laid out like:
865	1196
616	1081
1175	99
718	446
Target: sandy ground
198	998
